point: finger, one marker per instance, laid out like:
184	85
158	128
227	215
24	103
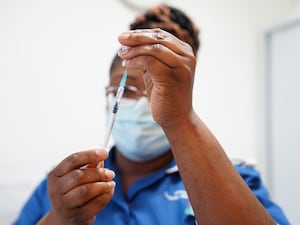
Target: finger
79	159
79	177
92	165
82	194
154	36
156	51
158	73
100	164
93	206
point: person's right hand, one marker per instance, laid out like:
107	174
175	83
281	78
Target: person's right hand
78	190
167	65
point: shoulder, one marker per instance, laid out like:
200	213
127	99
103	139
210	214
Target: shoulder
37	205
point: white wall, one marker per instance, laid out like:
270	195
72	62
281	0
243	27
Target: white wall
54	58
283	69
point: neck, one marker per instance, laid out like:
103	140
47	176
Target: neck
130	170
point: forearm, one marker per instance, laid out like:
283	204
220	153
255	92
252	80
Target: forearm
216	191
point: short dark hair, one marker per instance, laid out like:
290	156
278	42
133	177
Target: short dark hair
170	19
167	18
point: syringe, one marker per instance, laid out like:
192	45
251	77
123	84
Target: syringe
115	109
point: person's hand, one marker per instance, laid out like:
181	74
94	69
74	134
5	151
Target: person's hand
168	65
78	190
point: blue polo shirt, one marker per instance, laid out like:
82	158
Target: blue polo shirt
159	198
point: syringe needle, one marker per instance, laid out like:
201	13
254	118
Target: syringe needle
115	109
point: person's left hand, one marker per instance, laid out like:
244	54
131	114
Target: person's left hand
168	65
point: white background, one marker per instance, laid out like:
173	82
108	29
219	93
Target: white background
54	60
283	76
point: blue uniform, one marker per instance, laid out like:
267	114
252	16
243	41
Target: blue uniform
159	198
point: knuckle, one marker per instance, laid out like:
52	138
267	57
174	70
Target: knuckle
82	192
159	34
156	47
101	173
157	30
77	174
137	34
73	158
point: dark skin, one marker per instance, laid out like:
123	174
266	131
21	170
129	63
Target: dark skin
216	191
165	66
77	194
78	190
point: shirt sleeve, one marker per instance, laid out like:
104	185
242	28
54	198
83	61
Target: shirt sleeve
252	177
36	206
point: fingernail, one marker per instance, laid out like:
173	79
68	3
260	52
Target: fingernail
123	50
99	151
111	184
124	35
124	47
109	173
125	62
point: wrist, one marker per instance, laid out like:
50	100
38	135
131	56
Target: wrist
50	219
182	122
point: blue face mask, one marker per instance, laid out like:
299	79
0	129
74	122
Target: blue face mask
137	136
